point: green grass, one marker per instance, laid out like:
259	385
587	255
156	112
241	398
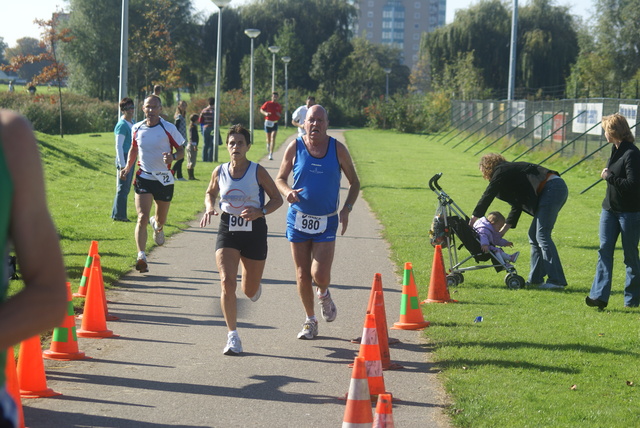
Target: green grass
80	182
517	367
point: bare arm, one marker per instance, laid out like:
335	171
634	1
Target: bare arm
133	155
282	179
210	198
41	305
346	164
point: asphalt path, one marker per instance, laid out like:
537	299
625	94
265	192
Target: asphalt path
166	367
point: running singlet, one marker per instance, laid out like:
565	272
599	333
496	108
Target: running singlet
236	194
319	179
152	141
6	196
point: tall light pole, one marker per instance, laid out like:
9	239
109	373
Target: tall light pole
386	97
286	60
386	92
252	33
216	116
124	51
274	50
512	51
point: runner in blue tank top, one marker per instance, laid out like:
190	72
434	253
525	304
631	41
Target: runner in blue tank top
25	222
317	162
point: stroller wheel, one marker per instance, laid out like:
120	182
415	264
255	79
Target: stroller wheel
459	277
452	280
513	281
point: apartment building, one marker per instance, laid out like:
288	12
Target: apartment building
399	23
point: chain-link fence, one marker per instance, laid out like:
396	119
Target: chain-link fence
565	127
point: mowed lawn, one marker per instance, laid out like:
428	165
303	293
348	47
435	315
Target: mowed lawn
539	358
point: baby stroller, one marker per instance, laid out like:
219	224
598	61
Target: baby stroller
451	222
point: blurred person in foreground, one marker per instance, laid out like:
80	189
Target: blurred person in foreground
25	224
620	215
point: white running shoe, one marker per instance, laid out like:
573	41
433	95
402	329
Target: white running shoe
158	235
141	264
309	330
234	345
328	308
257	295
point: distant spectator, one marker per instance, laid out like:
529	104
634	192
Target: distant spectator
122	133
32	89
157	90
11	86
192	147
181	124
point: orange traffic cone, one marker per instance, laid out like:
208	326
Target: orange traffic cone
438	290
370	351
94	321
13	386
358	410
64	342
98	281
411	317
384	414
31	376
82	290
375	287
381	328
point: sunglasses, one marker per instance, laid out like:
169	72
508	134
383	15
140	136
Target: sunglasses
129	108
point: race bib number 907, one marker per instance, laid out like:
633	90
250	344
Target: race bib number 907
239	224
310	223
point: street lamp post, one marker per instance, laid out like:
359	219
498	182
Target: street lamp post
216	116
274	50
386	98
386	92
252	33
286	60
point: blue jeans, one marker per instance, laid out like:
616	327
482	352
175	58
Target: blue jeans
207	150
545	260
123	187
612	225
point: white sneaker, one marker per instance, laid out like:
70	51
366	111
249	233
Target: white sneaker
270	156
328	308
309	330
234	345
550	286
257	295
141	264
158	235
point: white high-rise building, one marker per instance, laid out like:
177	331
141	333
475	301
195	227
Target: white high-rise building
399	23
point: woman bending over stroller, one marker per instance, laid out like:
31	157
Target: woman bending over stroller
539	192
488	229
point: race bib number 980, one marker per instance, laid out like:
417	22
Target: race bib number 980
239	224
310	223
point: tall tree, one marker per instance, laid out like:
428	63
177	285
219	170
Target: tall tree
618	34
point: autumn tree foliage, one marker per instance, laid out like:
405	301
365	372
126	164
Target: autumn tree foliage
55	70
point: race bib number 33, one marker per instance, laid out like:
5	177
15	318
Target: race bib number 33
239	224
310	223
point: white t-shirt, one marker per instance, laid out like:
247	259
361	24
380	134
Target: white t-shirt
152	142
299	115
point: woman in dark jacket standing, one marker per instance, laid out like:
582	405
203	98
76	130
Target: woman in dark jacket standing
540	193
620	214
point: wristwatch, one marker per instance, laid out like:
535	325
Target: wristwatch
264	211
349	207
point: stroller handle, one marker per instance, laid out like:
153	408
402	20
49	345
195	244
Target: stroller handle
433	182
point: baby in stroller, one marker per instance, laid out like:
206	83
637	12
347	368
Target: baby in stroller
488	229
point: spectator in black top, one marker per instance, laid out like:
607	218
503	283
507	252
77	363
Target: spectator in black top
620	214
